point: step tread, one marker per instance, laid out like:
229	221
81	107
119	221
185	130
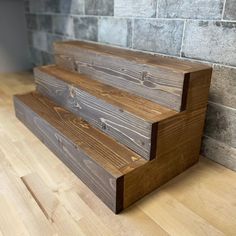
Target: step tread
173	64
115	158
141	107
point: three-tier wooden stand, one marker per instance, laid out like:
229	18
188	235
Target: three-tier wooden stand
124	122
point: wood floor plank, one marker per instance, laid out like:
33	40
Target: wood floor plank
210	206
13	155
50	205
79	210
132	221
175	218
10	223
32	217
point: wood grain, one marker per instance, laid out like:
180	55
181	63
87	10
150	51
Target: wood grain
198	89
50	205
176	130
118	182
153	77
129	119
8	217
186	196
138	120
86	151
159	171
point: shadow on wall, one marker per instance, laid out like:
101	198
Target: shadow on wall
13	37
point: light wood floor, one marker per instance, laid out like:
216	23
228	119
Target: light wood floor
202	201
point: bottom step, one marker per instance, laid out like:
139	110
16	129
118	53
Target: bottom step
117	175
96	159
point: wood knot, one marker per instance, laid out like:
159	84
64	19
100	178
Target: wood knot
72	92
75	65
104	126
134	158
144	75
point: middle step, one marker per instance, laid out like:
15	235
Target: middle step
131	120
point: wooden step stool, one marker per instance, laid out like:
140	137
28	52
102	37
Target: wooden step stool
124	122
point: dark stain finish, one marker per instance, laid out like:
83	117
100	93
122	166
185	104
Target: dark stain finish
83	149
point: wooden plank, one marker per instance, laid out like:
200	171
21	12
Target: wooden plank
196	195
51	206
86	151
153	77
181	220
155	173
133	221
129	119
15	191
198	89
76	205
8	218
178	129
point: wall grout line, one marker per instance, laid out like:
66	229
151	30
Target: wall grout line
157	12
182	42
132	40
223	10
127	17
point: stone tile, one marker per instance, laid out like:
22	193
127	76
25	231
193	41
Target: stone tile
99	7
63	25
72	6
86	28
220	124
36	6
44	22
230	10
31	21
219	152
211	41
39	40
162	36
35	56
115	31
223	86
193	9
51	6
135	8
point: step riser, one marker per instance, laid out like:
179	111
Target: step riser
153	83
130	130
108	188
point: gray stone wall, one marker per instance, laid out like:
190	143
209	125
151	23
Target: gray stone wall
203	30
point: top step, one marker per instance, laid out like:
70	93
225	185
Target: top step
159	79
